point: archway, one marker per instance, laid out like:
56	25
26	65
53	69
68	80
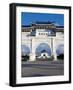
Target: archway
60	51
43	51
25	51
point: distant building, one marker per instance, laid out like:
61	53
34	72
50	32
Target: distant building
46	34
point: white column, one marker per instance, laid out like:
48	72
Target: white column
32	53
54	55
54	50
32	57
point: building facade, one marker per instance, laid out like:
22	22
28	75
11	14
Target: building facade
42	40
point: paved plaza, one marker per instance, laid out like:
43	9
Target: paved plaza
42	68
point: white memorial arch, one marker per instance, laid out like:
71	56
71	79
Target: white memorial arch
42	39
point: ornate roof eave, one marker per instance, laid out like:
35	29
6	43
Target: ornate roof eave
59	30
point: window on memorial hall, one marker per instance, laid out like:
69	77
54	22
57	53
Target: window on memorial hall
22	30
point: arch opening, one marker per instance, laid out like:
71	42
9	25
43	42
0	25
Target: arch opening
60	52
25	51
43	51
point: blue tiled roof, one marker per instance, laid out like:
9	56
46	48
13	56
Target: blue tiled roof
43	51
40	22
26	25
59	26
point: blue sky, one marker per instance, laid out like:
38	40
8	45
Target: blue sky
27	18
